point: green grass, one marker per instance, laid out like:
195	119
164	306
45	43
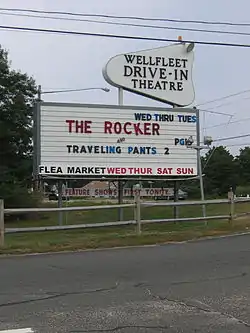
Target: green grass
113	237
119	236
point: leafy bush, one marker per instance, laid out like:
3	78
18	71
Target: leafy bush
16	196
242	190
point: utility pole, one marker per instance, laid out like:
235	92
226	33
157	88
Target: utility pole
120	182
198	148
37	183
39	93
176	198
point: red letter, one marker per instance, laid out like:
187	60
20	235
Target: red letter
79	126
159	171
149	171
118	128
111	170
147	129
88	127
131	170
126	131
155	129
123	170
107	127
70	123
137	129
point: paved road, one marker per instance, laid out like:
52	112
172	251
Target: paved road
202	286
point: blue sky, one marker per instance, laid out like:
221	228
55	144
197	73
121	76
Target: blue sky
68	61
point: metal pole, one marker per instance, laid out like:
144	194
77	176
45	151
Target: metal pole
120	96
176	193
36	144
39	93
120	199
138	213
67	198
39	99
1	223
120	182
176	197
199	167
35	163
60	202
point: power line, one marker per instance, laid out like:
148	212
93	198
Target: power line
231	122
225	97
239	145
222	105
215	112
127	17
232	137
79	33
245	144
229	103
232	115
209	157
130	24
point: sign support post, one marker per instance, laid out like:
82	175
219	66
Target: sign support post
120	182
176	193
60	202
176	197
1	223
199	166
36	144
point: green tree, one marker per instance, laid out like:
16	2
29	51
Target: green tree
243	162
17	93
219	167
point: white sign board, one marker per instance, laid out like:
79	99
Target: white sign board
98	140
113	192
164	73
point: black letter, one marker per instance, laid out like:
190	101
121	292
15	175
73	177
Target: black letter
163	75
183	74
179	86
126	73
130	58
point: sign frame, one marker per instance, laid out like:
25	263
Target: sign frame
37	138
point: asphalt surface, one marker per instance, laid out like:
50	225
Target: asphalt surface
201	286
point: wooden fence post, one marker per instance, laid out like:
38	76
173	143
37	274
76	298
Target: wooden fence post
137	196
1	223
232	208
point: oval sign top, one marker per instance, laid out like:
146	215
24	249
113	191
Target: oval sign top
163	74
